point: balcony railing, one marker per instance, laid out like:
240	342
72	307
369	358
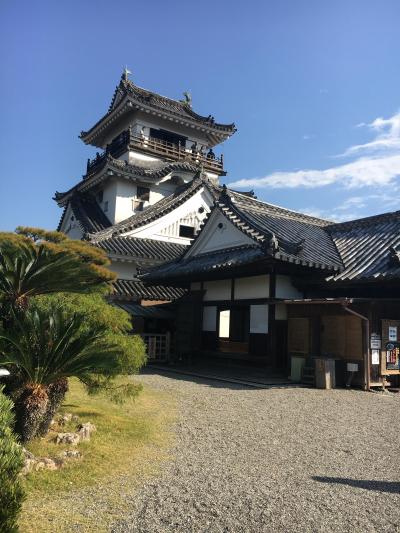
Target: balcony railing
176	152
127	140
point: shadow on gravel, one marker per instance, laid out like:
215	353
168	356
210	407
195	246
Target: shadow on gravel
379	486
215	380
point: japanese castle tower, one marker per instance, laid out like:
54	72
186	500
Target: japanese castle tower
145	195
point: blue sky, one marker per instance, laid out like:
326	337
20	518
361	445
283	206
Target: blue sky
313	87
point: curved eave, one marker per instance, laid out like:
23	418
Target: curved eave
112	168
217	132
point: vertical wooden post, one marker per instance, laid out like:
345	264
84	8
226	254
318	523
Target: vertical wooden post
271	319
167	345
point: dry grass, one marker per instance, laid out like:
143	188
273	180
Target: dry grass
88	494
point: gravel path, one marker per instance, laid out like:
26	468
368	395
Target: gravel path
277	460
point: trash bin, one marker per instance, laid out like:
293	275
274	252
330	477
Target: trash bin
324	373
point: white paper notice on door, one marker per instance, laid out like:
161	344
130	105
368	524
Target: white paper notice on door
375	357
393	333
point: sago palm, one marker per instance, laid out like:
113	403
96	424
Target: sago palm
28	269
45	349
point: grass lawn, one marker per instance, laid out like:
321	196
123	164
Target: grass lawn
88	493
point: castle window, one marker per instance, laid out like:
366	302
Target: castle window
106	206
143	194
167	137
186	231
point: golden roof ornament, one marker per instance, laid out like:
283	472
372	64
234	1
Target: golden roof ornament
188	99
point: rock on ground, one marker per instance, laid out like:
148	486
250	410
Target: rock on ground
277	460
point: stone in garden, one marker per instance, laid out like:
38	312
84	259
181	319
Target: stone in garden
28	466
28	454
49	464
74	454
85	430
68	438
64	419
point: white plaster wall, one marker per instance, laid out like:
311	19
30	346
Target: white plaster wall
161	191
259	318
252	287
209	318
119	193
125	193
136	157
214	238
70	226
74	231
110	195
166	228
285	289
123	270
217	290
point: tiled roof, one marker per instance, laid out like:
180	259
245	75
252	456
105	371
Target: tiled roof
127	171
132	289
88	213
368	247
127	91
295	237
163	311
204	263
144	248
362	250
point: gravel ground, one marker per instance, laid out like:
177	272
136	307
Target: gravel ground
276	460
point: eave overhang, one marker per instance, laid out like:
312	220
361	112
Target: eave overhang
216	132
121	169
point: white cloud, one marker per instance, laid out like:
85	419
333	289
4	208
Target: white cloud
387	138
364	171
356	206
376	163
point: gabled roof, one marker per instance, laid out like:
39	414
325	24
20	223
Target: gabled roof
290	235
278	235
362	250
118	167
161	208
87	212
368	247
143	248
128	97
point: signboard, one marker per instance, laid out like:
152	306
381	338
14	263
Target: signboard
392	333
375	357
376	341
393	355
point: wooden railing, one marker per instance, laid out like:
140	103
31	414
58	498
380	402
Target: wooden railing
176	152
158	346
127	140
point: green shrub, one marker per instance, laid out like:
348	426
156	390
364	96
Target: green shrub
11	461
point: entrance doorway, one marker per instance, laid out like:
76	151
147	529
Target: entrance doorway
233	329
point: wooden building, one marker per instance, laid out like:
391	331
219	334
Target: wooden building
287	291
141	199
